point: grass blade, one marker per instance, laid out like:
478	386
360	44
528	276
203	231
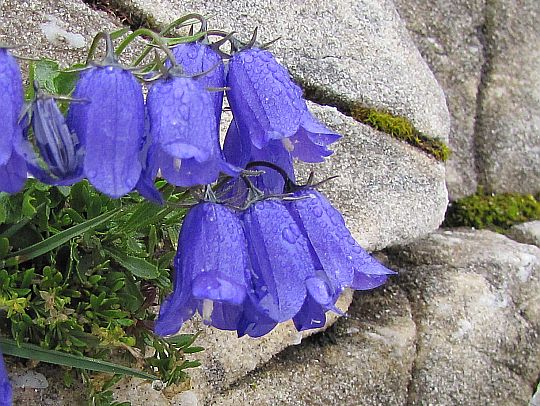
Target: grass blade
62	237
34	352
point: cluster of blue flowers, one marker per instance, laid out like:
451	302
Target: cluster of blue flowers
260	250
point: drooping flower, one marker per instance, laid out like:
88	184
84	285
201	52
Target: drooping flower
183	125
263	97
5	386
268	105
210	268
110	119
12	165
344	262
280	260
200	59
60	158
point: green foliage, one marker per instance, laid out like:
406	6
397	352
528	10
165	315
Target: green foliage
80	274
495	212
401	128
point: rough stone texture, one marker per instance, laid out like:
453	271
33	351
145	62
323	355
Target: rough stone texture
509	120
22	23
367	356
459	326
449	36
389	192
485	56
226	358
526	233
477	311
347	51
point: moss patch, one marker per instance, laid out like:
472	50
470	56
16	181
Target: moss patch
401	128
495	212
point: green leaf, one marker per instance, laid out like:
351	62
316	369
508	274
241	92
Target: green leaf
56	240
182	340
30	351
137	266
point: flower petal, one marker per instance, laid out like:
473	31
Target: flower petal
280	260
110	119
263	96
311	315
181	118
11	88
13	174
6	395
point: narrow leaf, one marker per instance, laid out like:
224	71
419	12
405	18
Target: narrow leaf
137	266
30	351
56	240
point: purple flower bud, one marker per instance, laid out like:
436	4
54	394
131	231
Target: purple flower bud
183	125
5	386
60	160
210	267
263	97
110	119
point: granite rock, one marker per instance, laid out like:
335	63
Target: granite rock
342	51
526	233
509	117
449	37
459	325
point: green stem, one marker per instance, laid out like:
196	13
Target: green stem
149	33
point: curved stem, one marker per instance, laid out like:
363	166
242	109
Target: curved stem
149	33
92	50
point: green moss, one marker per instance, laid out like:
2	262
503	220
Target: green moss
401	128
495	212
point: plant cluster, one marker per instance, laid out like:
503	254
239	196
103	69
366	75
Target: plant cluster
83	268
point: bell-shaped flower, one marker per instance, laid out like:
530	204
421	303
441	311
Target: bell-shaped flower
11	105
201	60
239	151
280	260
6	396
263	97
12	165
183	125
268	105
59	156
344	262
109	117
210	268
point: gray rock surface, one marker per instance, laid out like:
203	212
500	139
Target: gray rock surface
347	51
526	233
58	29
509	118
485	56
226	359
459	325
388	191
449	37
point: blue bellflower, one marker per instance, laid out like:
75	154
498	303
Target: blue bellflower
12	165
110	119
60	150
6	396
210	268
183	126
200	59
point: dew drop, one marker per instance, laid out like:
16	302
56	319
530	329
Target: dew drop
289	236
317	211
